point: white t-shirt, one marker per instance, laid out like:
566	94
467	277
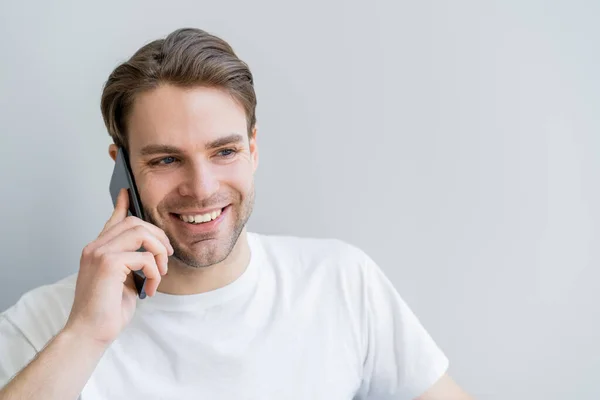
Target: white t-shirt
308	319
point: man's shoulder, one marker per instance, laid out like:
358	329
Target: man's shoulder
41	312
312	254
311	246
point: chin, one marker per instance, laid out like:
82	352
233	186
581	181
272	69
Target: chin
199	245
205	252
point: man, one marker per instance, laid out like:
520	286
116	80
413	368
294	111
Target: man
230	314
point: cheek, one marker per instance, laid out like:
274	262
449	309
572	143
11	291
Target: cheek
238	176
153	190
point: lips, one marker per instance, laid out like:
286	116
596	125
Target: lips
201	222
200	218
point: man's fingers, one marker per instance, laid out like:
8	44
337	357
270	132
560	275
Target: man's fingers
129	223
151	271
133	239
139	261
120	211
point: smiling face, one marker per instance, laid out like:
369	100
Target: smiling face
194	166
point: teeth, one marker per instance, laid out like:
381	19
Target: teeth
200	218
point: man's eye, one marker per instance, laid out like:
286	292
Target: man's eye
227	153
163	161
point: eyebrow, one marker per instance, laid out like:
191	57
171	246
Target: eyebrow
152	149
234	138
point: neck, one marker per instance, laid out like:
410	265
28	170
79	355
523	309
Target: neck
182	280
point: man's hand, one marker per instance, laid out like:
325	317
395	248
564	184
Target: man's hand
105	294
104	303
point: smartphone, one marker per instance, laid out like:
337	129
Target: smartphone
122	178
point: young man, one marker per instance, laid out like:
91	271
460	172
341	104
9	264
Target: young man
230	314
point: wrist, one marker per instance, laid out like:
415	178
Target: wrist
82	340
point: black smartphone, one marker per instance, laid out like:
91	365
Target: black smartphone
122	178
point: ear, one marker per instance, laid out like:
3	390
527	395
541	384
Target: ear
112	151
254	148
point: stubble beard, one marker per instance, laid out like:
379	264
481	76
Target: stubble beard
211	250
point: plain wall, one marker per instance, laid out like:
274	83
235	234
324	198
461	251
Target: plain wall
455	142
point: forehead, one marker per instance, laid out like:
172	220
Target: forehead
183	117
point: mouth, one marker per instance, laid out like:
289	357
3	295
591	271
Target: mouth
201	220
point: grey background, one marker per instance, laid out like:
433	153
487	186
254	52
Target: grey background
455	142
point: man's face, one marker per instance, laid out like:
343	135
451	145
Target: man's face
194	168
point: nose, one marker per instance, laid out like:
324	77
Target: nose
199	182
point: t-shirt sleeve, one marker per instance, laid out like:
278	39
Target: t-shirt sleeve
16	351
28	325
402	361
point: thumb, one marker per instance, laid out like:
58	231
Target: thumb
120	211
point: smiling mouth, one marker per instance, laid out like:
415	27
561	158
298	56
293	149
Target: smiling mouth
200	218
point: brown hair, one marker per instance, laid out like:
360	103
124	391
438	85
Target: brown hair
186	57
